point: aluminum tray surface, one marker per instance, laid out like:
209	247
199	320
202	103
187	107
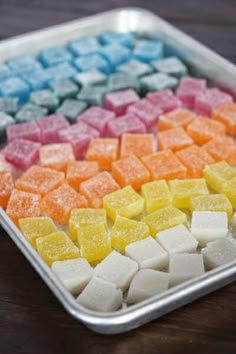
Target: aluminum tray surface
202	62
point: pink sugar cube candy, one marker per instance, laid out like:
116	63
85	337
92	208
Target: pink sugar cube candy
165	100
128	123
189	89
22	153
50	126
120	100
210	100
84	128
146	112
27	131
97	118
79	142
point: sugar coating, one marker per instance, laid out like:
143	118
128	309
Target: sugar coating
29	113
147	283
137	144
165	100
208	226
148	254
56	156
222	148
189	88
15	87
24	64
71	108
147	50
179	117
79	171
119	101
6	187
8	105
28	131
45	98
116	54
136	67
226	114
97	118
209	100
50	126
219	253
173	139
158	82
125	39
79	142
146	111
211	202
104	151
121	81
125	231
117	269
101	295
217	174
123	202
64	88
92	95
128	123
92	61
164	218
4	165
229	189
5	121
84	46
73	273
91	77
172	66
156	195
201	130
53	56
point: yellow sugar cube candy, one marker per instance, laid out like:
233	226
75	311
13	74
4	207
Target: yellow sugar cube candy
56	247
211	202
183	190
85	216
164	218
156	195
217	174
126	231
123	202
94	242
34	227
229	189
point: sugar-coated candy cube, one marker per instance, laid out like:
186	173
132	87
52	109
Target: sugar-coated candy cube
56	156
125	39
127	123
164	165
39	180
50	126
147	283
45	98
164	218
30	112
189	88
156	195
137	144
92	61
164	100
34	227
219	253
4	165
194	159
226	114
95	188
177	239
21	153
22	205
92	95
211	202
54	56
24	65
56	247
6	187
97	118
62	71
119	101
208	226
201	130
217	174
222	148
184	267
5	72
179	117
71	108
209	100
27	131
183	190
173	139
79	171
73	273
100	295
146	112
125	231
84	46
121	81
104	151
116	54
38	80
229	189
147	253
91	77
172	66
59	202
15	87
117	269
136	67
5	122
83	128
148	50
64	88
9	105
94	242
123	202
130	171
157	82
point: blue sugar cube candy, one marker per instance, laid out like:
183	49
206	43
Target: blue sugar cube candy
158	82
15	87
125	39
30	112
116	54
9	105
54	56
24	65
91	77
92	61
135	67
5	72
85	46
38	80
148	50
61	72
172	66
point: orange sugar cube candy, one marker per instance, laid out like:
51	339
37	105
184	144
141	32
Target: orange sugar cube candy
56	156
95	188
130	171
203	129
137	144
6	187
22	205
180	117
227	115
40	180
173	139
79	171
164	165
58	203
222	148
104	151
194	159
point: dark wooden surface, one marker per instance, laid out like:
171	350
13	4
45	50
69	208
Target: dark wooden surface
31	319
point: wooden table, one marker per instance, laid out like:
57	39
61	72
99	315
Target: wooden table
31	319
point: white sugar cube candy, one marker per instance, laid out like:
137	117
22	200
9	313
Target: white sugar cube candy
117	269
208	226
101	295
185	266
177	239
218	253
148	254
147	283
73	273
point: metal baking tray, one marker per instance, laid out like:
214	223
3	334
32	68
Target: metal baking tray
202	62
